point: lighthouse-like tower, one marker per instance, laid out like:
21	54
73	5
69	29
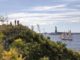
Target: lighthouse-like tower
55	29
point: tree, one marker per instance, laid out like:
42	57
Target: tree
18	22
15	22
12	54
3	19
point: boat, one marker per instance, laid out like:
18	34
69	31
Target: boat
66	36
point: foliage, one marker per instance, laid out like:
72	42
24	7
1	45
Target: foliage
12	54
17	42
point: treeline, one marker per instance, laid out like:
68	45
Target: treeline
21	43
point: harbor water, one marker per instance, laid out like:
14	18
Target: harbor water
73	44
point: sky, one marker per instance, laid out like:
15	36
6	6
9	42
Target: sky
65	14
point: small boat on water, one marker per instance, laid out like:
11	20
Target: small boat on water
66	36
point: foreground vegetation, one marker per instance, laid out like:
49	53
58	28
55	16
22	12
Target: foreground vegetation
20	43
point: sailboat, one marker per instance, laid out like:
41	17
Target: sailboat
66	36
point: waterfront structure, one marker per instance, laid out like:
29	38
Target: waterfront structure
55	29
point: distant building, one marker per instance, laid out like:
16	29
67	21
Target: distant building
56	30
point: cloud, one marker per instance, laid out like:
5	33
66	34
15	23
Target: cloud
45	18
51	8
62	13
43	8
33	18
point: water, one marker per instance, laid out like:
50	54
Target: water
74	44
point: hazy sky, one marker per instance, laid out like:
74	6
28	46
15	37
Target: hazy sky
65	14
